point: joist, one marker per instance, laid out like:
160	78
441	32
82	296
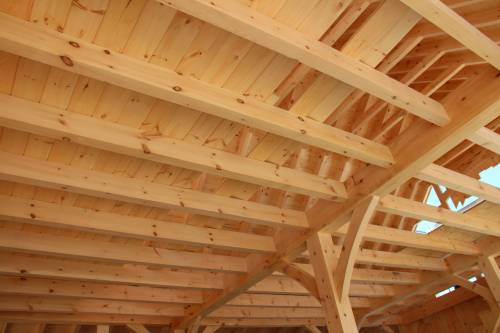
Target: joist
394	236
457	27
261	322
451	179
82	318
44	45
13	285
269	33
30	266
43	213
69	305
60	124
247	164
45	174
396	205
116	253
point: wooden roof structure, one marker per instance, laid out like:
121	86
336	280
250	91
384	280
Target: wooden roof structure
205	165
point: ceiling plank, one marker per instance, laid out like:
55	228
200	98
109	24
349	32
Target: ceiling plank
24	170
44	45
56	123
457	27
261	29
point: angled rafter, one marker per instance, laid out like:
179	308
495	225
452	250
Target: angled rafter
267	32
56	123
45	174
400	206
456	26
34	42
39	212
442	176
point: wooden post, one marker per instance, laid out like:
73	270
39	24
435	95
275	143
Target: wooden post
339	315
333	288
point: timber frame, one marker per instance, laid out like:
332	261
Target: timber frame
187	165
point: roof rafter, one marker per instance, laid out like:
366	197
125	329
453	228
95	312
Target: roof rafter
456	26
46	174
267	32
56	123
46	46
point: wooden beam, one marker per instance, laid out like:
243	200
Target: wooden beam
405	238
70	305
480	96
457	27
81	318
487	139
263	30
489	266
263	312
43	213
400	206
21	241
62	177
12	285
31	266
59	124
44	45
338	312
262	322
351	246
442	176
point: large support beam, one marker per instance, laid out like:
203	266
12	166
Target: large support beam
457	27
338	312
24	170
480	96
263	30
59	124
44	45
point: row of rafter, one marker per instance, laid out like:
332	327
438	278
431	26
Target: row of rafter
78	56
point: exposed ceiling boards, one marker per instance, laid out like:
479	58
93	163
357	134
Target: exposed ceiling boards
198	164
